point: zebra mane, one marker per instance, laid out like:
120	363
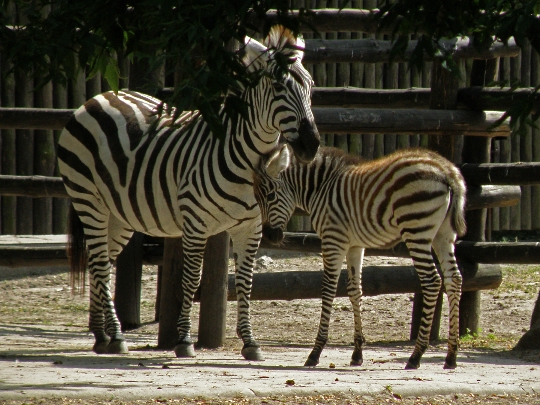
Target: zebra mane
285	42
339	156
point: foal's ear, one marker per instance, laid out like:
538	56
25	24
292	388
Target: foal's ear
278	161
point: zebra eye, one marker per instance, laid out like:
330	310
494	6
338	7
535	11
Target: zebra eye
278	86
271	195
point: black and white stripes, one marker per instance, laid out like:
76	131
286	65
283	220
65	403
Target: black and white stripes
128	169
414	195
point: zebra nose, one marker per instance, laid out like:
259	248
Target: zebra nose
306	146
272	234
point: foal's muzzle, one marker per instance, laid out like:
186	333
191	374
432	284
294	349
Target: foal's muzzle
272	235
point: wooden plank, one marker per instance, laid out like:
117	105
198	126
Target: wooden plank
409	121
41	250
378	51
376	280
34	118
32	186
501	173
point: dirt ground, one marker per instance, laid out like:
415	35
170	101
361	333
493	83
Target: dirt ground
39	297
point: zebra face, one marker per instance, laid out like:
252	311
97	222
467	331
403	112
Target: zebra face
283	96
273	196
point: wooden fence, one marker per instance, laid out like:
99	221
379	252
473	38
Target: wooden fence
352	129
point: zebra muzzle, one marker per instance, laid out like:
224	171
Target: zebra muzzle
272	234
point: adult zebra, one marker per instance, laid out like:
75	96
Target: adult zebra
412	195
128	169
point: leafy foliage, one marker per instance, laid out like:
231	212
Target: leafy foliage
484	21
191	37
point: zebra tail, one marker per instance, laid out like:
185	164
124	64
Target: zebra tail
76	251
457	208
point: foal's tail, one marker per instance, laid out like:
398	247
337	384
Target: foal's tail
76	251
457	206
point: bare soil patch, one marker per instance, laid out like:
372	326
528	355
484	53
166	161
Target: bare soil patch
37	297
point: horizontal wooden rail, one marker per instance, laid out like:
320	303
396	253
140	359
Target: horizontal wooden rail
32	186
328	20
34	118
376	280
475	98
39	186
466	251
409	121
378	51
521	173
50	250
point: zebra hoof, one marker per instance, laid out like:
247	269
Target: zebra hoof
101	347
412	366
253	353
357	363
184	350
450	365
310	363
117	347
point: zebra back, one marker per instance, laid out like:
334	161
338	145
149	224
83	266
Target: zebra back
337	184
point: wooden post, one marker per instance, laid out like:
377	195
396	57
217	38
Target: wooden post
127	294
9	203
24	154
129	262
475	150
444	91
214	283
170	293
44	164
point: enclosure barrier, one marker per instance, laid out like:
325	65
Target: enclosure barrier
331	121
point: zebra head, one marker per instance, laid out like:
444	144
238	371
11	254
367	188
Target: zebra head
282	98
273	195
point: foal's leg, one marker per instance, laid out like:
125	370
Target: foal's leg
430	281
355	257
443	245
333	259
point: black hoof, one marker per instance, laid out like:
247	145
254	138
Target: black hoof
184	350
252	352
117	346
412	366
450	365
357	363
311	362
100	347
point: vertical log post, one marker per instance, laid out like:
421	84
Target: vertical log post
214	283
171	293
475	150
127	299
444	89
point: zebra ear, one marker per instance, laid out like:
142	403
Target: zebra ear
300	46
278	161
254	53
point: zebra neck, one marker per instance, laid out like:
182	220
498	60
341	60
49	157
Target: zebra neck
251	142
309	183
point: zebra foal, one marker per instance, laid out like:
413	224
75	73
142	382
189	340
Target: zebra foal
414	195
127	169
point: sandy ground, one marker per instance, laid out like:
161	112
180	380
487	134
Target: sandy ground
45	348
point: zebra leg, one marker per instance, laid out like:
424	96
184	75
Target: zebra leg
246	242
103	320
430	282
355	257
193	250
332	259
443	245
